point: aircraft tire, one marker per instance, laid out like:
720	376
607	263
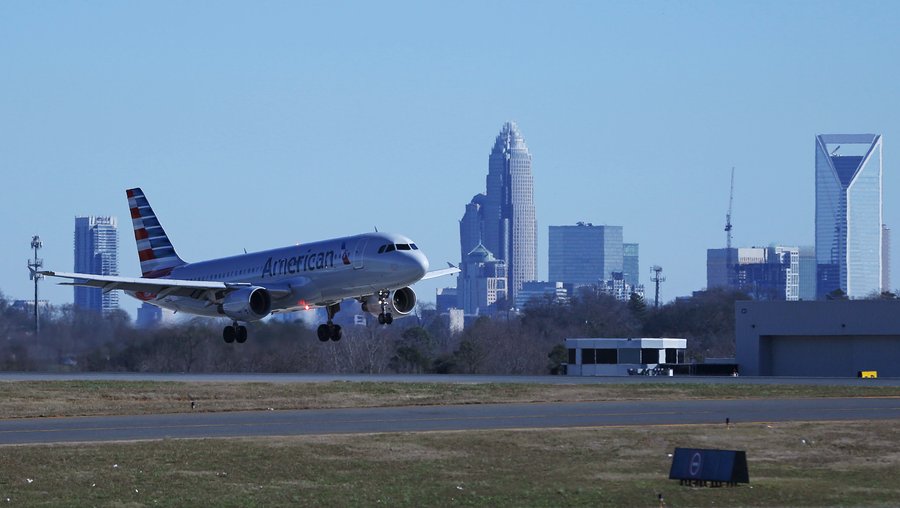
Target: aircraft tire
241	335
337	333
381	319
388	318
322	332
229	334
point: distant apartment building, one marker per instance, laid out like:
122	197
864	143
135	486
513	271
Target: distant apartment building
96	252
764	273
849	217
619	288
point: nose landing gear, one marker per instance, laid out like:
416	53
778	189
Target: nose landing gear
384	318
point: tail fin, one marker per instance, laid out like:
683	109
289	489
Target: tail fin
156	252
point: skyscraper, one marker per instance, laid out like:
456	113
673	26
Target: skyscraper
585	254
503	219
848	214
631	263
96	252
885	258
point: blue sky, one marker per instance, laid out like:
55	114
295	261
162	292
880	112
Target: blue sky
260	124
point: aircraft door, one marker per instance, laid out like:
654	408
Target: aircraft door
359	253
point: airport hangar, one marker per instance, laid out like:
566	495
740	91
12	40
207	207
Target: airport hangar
837	338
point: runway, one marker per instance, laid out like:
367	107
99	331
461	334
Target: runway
441	418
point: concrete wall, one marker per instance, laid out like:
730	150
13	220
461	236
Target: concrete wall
827	338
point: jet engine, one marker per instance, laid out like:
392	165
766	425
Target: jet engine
246	304
400	303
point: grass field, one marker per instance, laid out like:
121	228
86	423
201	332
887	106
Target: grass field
82	398
791	464
795	464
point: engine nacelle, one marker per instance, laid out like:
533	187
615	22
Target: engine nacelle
247	304
401	302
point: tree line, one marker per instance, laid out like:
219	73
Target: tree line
526	342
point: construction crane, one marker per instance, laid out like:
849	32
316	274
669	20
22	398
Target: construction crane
729	262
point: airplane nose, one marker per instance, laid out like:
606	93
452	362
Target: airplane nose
422	263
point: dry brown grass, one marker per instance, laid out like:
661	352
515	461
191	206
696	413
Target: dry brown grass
82	398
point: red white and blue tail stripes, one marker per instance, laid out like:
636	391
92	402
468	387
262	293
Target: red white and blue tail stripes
155	251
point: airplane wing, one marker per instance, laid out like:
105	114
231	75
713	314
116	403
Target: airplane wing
159	287
440	273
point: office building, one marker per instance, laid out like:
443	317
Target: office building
540	292
482	282
764	273
503	219
585	254
807	273
849	214
631	265
96	252
886	259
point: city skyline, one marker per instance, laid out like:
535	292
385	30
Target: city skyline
635	114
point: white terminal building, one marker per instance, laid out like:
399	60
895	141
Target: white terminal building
616	356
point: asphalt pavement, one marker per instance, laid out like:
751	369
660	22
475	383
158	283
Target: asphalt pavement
442	418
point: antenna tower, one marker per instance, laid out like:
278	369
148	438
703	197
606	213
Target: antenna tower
656	278
33	267
729	262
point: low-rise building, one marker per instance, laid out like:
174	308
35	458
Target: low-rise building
622	356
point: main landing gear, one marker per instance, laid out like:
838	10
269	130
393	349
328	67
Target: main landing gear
330	331
384	318
235	332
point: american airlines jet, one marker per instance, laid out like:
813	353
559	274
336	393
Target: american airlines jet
374	268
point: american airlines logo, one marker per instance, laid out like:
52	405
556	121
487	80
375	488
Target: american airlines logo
302	263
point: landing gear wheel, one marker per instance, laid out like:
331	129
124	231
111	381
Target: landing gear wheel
337	333
241	335
323	333
229	334
381	319
388	319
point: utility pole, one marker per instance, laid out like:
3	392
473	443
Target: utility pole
656	278
33	267
729	261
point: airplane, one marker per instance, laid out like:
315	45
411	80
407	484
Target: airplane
374	268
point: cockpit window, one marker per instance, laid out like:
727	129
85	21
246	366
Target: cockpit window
381	249
413	246
403	246
389	248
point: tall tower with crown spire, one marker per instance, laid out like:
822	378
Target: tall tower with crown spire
503	219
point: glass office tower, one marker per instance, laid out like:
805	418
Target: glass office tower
96	252
848	214
503	218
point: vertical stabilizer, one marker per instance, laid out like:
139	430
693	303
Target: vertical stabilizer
155	251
